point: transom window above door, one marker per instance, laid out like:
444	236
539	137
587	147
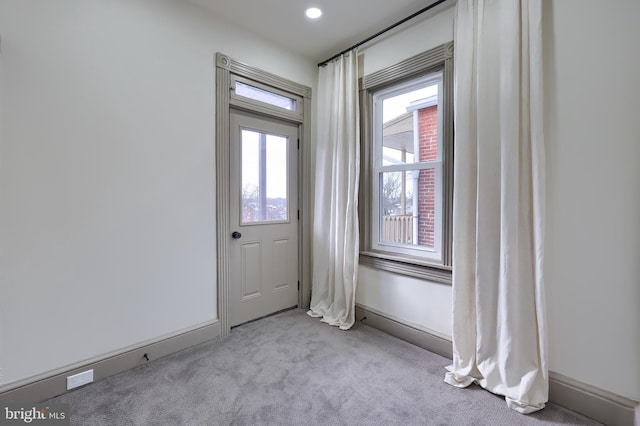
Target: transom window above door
256	96
265	96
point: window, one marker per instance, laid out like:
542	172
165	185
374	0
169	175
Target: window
265	96
407	169
254	96
407	163
264	186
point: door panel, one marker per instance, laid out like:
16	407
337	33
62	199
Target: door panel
251	279
263	193
280	264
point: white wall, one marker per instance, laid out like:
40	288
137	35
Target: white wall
592	65
592	270
422	304
434	29
107	214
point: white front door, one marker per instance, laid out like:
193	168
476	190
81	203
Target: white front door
263	216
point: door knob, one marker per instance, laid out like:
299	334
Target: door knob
236	235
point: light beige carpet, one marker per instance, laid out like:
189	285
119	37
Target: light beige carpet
291	369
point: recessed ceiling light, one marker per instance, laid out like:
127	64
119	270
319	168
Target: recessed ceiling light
313	13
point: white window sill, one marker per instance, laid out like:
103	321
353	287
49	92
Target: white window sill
407	266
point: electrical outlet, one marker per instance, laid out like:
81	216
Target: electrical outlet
79	379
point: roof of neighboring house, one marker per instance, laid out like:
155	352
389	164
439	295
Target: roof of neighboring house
398	132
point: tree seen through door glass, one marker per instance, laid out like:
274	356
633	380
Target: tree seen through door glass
264	187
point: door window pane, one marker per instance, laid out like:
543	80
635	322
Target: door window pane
276	172
264	177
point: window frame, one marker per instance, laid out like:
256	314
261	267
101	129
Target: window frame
431	255
385	256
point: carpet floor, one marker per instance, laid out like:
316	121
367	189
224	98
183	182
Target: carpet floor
291	369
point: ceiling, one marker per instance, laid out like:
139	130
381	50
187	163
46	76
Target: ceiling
343	22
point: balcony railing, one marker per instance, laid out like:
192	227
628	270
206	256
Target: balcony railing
397	229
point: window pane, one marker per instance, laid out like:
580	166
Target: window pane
399	221
264	177
250	176
402	116
426	207
277	204
265	96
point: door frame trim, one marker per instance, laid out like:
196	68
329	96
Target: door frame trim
226	70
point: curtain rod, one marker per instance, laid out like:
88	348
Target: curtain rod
379	33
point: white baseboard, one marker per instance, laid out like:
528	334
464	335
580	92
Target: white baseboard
601	405
425	339
53	383
598	404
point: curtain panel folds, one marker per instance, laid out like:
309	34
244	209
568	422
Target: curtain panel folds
335	222
499	326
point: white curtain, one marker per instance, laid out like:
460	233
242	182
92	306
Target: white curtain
499	327
335	228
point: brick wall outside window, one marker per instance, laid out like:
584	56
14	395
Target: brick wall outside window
428	143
